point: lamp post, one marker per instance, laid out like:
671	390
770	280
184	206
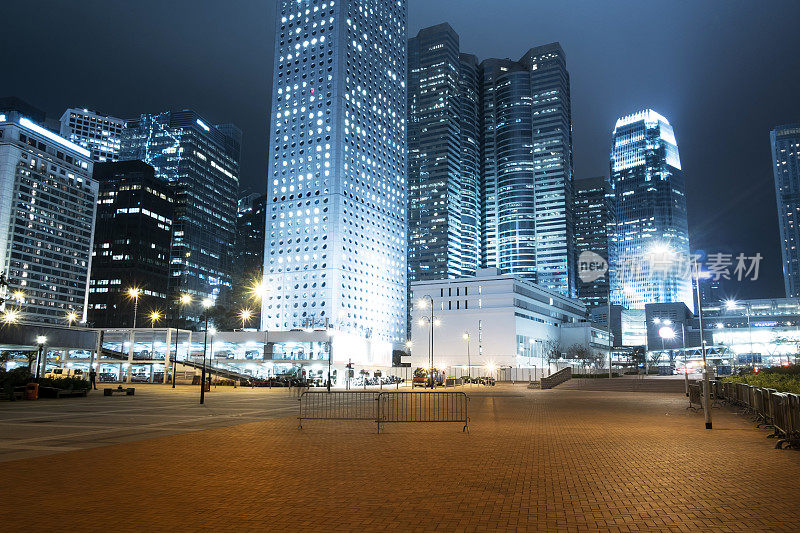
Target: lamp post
706	382
134	293
431	322
207	303
733	304
469	365
184	299
154	317
40	341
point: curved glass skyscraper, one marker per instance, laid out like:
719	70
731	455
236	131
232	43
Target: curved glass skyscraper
651	234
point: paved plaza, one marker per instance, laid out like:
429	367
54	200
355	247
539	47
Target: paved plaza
575	458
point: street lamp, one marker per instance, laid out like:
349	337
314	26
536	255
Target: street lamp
245	315
183	300
18	296
706	383
10	316
134	293
733	304
469	364
432	321
207	303
154	317
41	340
71	317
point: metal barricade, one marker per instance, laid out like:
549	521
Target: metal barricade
780	402
695	396
791	421
338	405
385	407
423	407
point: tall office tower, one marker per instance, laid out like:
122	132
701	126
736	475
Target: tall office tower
785	141
442	157
100	134
336	226
711	291
593	233
527	226
651	231
470	174
200	161
47	217
132	239
249	252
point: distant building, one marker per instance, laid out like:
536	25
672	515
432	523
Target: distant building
651	240
510	322
200	162
47	216
711	291
135	214
593	233
785	143
336	197
249	254
443	157
100	134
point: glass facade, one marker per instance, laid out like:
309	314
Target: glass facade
442	157
47	218
100	134
135	213
593	227
200	161
527	226
651	233
785	143
336	200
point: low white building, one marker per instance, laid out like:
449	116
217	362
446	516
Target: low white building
492	321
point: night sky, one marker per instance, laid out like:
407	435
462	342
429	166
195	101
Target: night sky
723	73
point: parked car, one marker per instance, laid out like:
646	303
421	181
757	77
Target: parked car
486	380
56	373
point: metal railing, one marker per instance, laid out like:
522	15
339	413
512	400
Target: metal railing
385	407
771	409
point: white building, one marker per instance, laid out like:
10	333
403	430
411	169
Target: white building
100	134
47	216
497	320
335	237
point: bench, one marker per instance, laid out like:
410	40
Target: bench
127	392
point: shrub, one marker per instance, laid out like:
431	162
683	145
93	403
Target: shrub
70	383
782	379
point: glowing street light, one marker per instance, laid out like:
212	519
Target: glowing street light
18	296
245	315
134	293
154	317
207	303
11	316
41	340
71	317
259	290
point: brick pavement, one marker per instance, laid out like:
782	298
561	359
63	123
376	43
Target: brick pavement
558	460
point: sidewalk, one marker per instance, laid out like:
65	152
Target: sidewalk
559	460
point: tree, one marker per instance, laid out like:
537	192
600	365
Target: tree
552	349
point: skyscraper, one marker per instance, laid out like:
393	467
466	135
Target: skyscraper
593	233
249	253
100	134
200	161
131	243
651	234
490	163
785	143
336	202
47	217
527	226
443	155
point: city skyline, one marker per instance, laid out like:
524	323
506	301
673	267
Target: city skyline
610	79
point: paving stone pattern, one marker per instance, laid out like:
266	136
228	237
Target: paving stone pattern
572	459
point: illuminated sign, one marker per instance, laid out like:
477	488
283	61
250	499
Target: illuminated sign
203	125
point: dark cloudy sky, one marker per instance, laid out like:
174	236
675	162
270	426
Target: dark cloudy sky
723	72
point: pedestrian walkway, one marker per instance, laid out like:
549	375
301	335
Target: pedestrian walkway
558	460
